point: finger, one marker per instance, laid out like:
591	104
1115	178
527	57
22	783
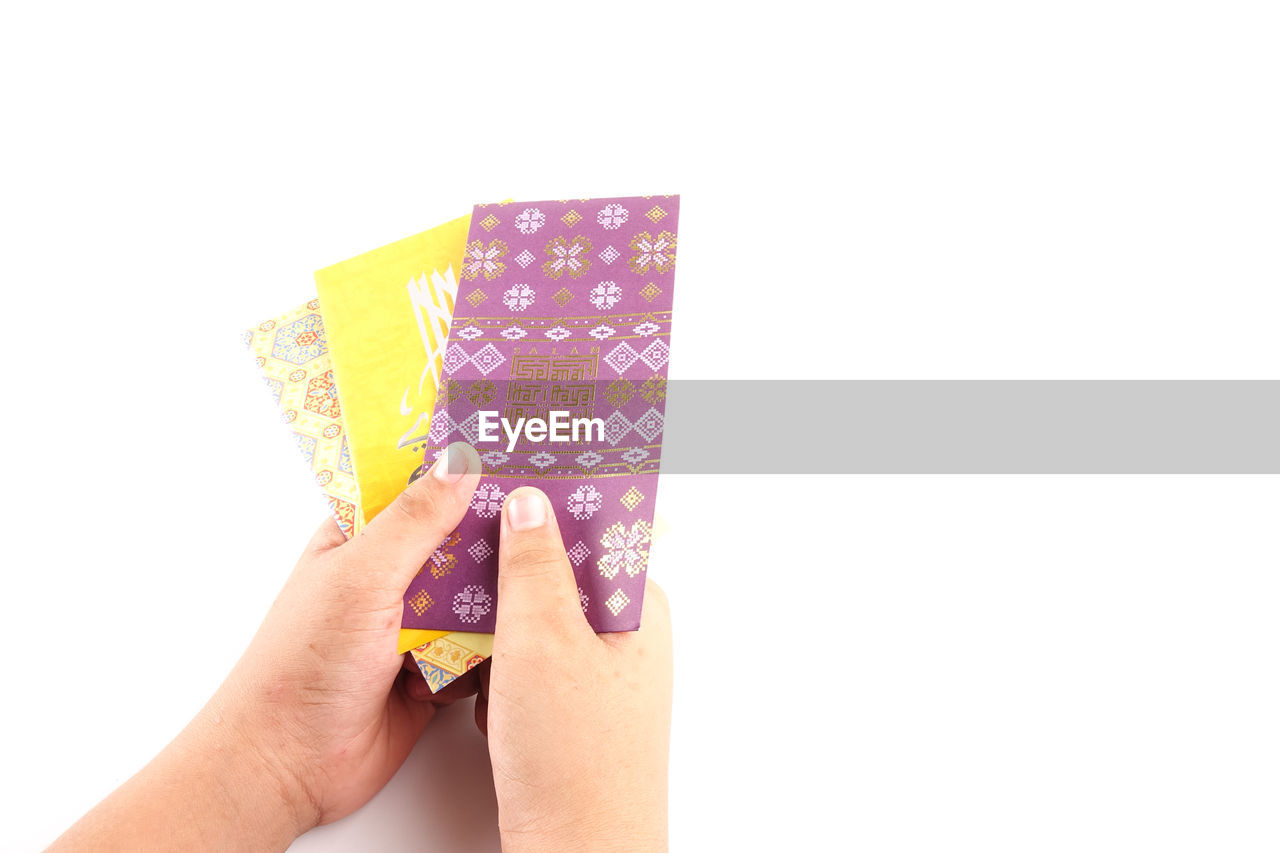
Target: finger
327	537
460	688
537	592
655	622
482	714
403	535
655	615
482	697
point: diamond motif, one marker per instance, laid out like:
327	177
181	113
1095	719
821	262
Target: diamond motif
578	553
656	354
609	254
441	426
525	258
616	602
616	427
470	427
650	291
632	498
649	424
573	217
476	296
454	357
421	602
621	357
656	214
562	296
490	222
480	550
488	358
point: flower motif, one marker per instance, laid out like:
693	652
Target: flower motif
656	252
566	256
542	460
494	458
602	331
300	341
583	599
481	259
470	333
322	396
635	455
584	502
590	459
481	392
513	333
487	500
612	217
628	549
559	333
605	295
449	391
472	603
646	329
518	297
619	392
654	389
441	560
530	220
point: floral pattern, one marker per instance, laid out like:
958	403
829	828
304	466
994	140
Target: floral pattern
441	560
472	603
322	397
518	297
481	392
567	256
605	295
585	501
653	253
628	549
482	259
530	220
487	500
612	217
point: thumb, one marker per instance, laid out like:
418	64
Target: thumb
537	593
401	537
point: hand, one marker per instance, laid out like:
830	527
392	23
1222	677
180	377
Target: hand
578	723
317	715
320	678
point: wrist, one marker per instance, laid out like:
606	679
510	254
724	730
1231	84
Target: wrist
259	779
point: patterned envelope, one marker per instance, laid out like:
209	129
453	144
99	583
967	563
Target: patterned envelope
564	306
293	356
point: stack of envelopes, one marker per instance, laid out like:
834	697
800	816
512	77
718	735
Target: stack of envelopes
513	314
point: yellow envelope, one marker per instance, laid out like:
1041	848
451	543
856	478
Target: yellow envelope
387	315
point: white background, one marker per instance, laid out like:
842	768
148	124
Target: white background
978	190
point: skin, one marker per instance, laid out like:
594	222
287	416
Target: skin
320	712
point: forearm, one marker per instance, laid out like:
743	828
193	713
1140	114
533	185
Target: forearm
213	788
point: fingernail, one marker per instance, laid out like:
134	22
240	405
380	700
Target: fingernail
452	463
527	511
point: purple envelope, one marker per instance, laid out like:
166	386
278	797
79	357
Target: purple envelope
563	317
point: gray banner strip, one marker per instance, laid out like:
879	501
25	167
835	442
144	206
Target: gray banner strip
972	427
